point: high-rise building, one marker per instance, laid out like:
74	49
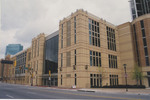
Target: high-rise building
12	49
139	7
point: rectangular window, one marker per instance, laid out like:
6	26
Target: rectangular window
38	47
111	40
94	38
61	59
147	61
68	33
75	57
62	36
95	80
112	61
35	48
61	79
142	23
37	65
74	30
75	79
95	58
113	80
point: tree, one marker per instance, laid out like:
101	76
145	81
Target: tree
137	74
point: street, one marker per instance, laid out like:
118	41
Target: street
14	91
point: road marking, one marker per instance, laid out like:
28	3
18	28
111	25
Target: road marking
91	95
9	96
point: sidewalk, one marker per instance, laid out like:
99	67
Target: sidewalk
107	90
115	91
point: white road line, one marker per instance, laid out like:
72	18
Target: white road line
9	96
31	92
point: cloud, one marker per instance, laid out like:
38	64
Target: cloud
24	19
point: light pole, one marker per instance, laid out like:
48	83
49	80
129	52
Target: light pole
125	75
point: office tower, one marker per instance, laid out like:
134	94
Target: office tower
12	49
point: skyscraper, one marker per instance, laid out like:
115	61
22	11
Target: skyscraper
12	49
139	7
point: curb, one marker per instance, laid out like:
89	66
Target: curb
85	91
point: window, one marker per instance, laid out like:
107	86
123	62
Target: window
37	65
68	33
68	61
136	44
35	48
61	59
95	80
61	79
111	40
142	23
144	43
75	57
94	38
147	61
62	36
32	48
74	30
38	47
112	61
75	79
114	80
95	58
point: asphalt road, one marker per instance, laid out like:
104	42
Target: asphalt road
13	91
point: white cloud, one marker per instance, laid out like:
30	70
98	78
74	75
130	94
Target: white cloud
24	19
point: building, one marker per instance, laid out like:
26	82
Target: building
11	70
89	52
12	49
139	7
20	67
141	40
127	54
5	69
37	59
51	59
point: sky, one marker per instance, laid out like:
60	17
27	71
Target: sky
22	20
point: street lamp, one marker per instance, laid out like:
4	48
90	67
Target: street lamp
125	75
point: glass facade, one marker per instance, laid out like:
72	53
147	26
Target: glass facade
51	55
12	49
139	7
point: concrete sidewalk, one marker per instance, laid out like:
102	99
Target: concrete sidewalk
107	90
116	91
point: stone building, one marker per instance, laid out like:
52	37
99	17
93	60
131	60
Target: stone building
89	52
